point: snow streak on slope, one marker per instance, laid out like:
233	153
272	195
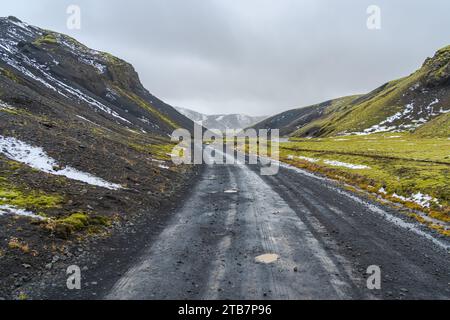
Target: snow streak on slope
11	210
10	54
407	120
36	158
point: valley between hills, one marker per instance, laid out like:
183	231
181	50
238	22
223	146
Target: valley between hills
87	179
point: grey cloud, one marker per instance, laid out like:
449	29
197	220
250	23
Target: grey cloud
255	56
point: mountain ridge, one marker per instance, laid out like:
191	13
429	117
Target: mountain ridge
68	70
221	121
418	103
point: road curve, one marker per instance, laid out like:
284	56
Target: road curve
325	239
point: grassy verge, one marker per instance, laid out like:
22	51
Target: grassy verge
398	167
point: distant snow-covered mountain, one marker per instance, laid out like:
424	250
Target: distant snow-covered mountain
221	121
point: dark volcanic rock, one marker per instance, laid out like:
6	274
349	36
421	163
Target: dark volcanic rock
87	110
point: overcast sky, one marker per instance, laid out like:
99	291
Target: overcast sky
258	57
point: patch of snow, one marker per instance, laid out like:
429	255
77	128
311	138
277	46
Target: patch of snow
10	49
144	120
5	106
24	26
406	115
111	94
345	165
308	159
11	210
414	87
87	120
382	190
36	158
234	190
93	123
423	200
98	66
163	167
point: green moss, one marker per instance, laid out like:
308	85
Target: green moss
32	200
22	196
158	151
48	38
77	222
9	74
10	111
22	296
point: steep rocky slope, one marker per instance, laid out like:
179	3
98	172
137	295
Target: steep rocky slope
221	121
57	67
418	103
83	147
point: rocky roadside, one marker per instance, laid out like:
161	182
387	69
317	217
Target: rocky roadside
102	258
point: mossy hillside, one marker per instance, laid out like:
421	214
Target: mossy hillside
325	125
383	102
52	37
289	121
147	106
158	147
438	127
376	107
438	68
